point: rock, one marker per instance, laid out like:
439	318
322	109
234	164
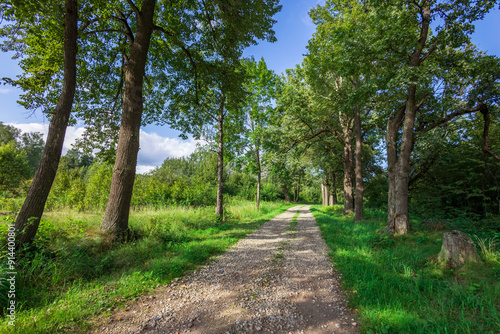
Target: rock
458	249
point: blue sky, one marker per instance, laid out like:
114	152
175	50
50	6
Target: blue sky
293	30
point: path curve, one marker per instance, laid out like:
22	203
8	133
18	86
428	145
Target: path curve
279	279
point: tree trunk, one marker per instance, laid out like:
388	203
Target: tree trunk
348	168
31	212
122	183
399	220
333	191
285	190
358	213
259	174
219	208
486	130
324	195
402	174
392	158
297	189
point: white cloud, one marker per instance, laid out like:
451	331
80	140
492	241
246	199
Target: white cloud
154	148
6	90
32	127
72	133
142	169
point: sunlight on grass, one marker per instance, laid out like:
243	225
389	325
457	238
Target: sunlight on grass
74	272
394	286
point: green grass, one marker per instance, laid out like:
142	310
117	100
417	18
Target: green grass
394	286
292	228
74	273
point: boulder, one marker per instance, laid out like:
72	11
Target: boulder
458	249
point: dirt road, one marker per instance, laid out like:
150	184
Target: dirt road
277	280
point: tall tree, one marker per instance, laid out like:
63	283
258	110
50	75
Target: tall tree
419	63
332	58
261	88
228	29
22	13
116	216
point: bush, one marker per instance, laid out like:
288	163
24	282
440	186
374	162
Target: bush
99	185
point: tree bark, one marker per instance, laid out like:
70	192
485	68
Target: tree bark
402	174
285	190
399	220
358	213
219	208
28	220
324	195
348	168
333	191
486	131
297	188
116	216
259	174
392	158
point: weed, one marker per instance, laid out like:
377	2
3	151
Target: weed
488	249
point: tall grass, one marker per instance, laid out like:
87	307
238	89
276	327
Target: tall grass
394	285
73	272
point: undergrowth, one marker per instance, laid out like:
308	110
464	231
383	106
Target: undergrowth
395	286
73	272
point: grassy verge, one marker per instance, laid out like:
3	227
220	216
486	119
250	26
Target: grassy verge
394	286
74	273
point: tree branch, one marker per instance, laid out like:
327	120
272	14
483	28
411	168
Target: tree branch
431	51
186	51
298	141
87	24
419	104
424	167
134	7
487	121
423	128
107	30
123	20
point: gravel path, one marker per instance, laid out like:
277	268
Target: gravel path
277	280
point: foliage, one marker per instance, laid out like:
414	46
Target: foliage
31	143
14	167
394	286
462	181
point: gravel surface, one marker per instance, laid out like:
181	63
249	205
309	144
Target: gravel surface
276	280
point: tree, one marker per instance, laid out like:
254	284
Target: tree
332	59
13	167
215	103
8	133
31	143
315	88
27	32
261	86
422	55
115	218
